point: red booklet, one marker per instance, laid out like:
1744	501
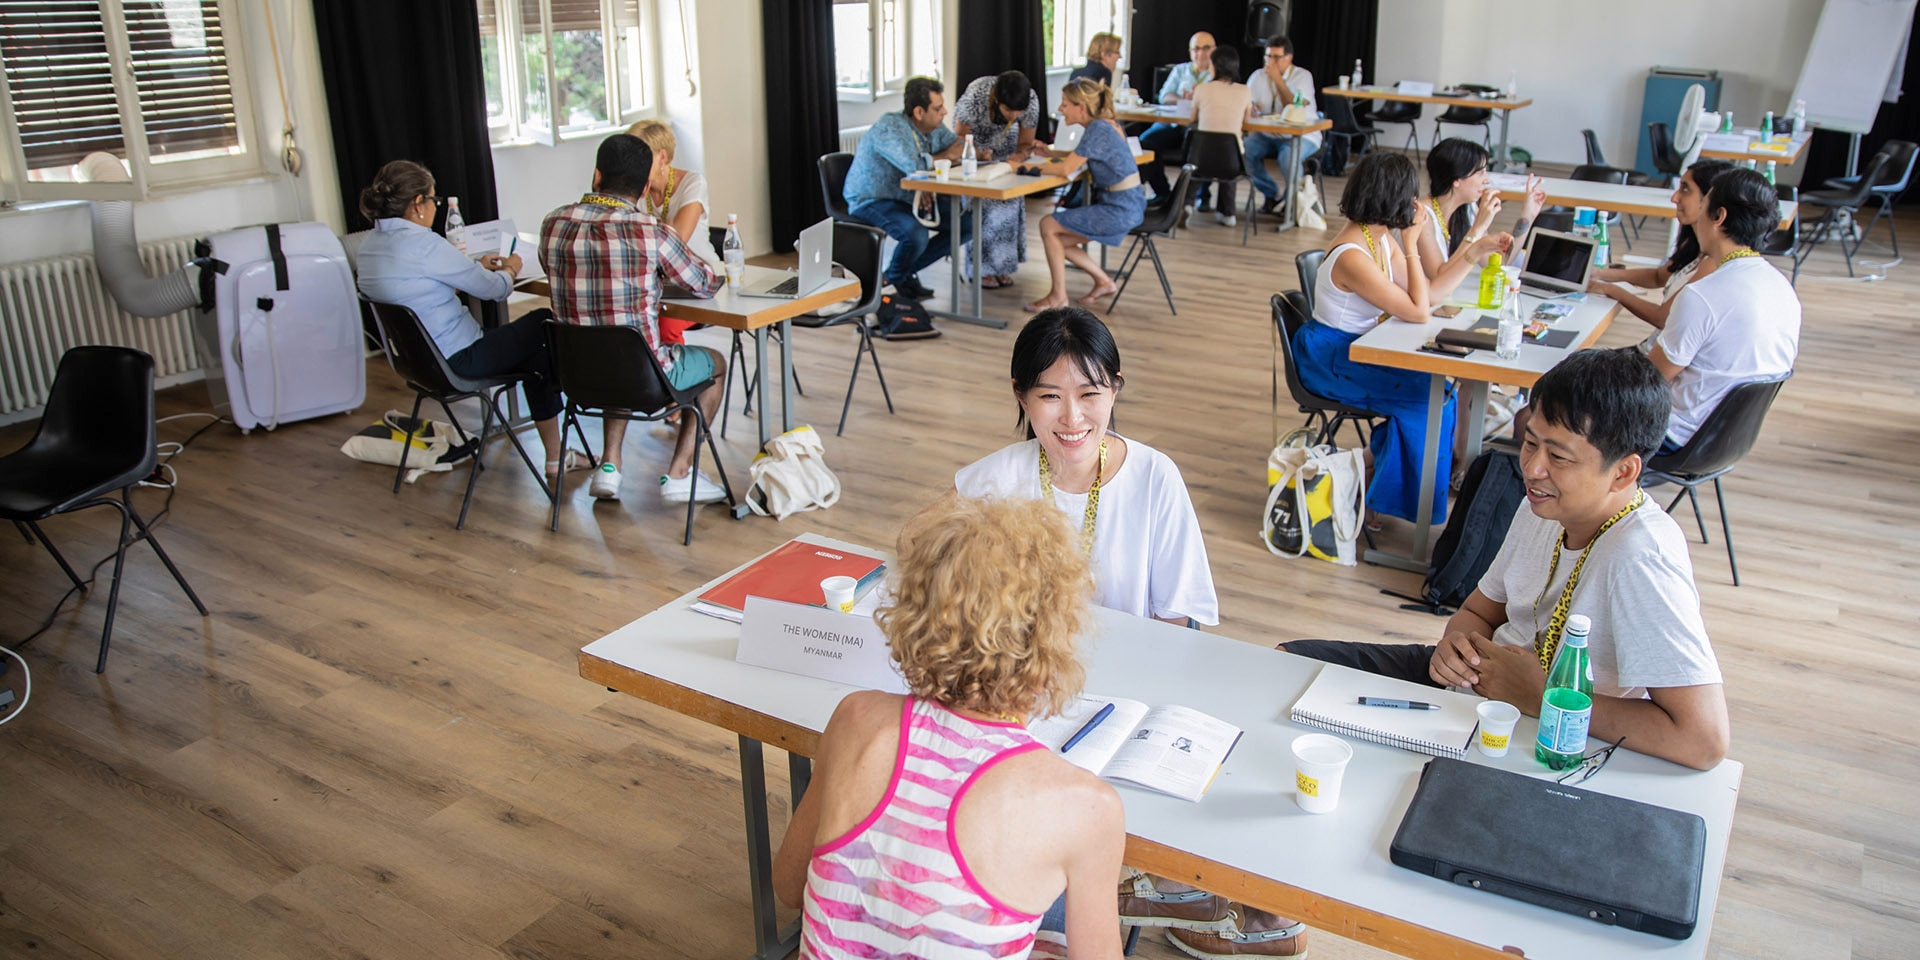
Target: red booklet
792	573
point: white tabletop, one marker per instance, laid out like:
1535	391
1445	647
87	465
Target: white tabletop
1401	341
1621	197
1249	820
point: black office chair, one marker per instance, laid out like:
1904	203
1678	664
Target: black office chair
833	186
1602	174
1155	223
95	437
1895	177
1290	313
1666	159
1481	117
611	373
1832	203
1714	450
857	248
1596	158
1307	264
1359	137
1400	111
1218	158
420	363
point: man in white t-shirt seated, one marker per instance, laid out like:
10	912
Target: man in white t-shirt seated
1737	324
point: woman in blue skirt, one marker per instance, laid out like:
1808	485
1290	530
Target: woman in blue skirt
1372	272
1119	200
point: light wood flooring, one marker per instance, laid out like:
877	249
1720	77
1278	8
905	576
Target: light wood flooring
378	746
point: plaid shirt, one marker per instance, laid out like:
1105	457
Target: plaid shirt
604	257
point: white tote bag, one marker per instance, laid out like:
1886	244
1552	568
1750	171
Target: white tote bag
792	476
1316	497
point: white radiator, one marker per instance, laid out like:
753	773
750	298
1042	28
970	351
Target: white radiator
850	138
49	305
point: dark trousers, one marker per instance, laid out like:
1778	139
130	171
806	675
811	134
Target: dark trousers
1406	661
1168	141
517	347
918	248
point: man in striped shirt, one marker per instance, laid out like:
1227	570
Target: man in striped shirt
605	257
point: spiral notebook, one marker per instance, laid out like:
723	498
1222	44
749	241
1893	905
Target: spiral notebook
1332	703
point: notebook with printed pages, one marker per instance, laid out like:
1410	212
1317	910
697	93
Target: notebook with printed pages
1332	702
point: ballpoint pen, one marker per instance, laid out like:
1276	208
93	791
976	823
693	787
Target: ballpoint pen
1087	728
1400	704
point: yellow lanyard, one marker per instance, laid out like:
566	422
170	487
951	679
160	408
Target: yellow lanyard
1379	261
666	203
601	201
1737	254
1547	643
1093	495
1446	236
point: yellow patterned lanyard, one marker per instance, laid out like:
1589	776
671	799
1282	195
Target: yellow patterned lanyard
1379	261
666	203
1093	495
601	201
1737	254
1547	643
1446	236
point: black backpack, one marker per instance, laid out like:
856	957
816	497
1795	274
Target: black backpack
903	318
1478	525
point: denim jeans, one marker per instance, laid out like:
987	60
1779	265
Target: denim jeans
1168	141
918	248
1259	147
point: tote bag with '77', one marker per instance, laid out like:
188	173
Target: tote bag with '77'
1316	497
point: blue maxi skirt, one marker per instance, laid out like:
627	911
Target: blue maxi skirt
1398	395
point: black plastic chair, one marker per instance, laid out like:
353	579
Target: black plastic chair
1307	264
1218	158
857	248
1834	202
1400	111
1895	178
1666	159
833	186
1347	126
419	362
1290	313
611	373
96	436
1715	449
1159	222
1481	117
1596	158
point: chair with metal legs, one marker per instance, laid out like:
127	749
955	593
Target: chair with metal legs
1714	450
1157	223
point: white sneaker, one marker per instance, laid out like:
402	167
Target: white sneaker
1227	219
705	490
606	482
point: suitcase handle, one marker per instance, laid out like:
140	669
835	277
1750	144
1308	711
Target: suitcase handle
1551	901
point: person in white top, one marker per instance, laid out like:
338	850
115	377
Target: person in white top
1273	88
1463	209
1683	266
677	198
1222	105
1739	324
1127	499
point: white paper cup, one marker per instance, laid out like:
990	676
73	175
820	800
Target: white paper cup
1319	764
1346	82
838	593
1496	726
941	169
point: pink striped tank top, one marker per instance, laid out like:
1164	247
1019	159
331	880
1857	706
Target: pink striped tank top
897	885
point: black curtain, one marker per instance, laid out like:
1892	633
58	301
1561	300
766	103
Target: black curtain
403	82
1326	35
803	112
1827	151
1001	35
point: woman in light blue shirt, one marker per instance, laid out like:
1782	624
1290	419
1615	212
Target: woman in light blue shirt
404	262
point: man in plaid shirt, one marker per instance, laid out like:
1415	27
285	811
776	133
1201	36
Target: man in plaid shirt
604	257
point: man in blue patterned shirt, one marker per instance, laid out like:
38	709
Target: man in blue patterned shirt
898	144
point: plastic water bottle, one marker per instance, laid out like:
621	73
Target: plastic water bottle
1798	119
732	252
1602	250
1513	85
1357	82
1566	709
456	225
1493	283
1726	121
1506	341
969	160
1773	171
1766	127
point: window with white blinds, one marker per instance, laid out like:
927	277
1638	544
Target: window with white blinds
878	44
151	82
564	66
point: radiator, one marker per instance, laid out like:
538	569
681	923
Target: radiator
47	306
850	138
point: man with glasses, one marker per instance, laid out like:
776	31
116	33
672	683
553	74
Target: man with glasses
1274	87
1169	139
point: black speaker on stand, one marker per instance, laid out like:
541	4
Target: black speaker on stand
1267	21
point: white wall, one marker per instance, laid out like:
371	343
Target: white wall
1585	65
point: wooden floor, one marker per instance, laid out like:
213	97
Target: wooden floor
378	746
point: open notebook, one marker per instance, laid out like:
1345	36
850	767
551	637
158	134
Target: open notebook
1332	703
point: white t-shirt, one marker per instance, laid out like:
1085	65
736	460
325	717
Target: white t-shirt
1266	97
690	187
1739	323
1148	557
1637	588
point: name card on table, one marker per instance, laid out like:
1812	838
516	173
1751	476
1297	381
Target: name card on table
1415	88
819	643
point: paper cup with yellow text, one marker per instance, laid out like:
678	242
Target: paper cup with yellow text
1319	763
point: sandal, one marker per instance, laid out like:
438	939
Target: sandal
575	460
991	282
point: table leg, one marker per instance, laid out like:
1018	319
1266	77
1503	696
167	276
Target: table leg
1293	186
1470	422
955	313
1500	156
760	381
1429	466
769	941
786	379
979	245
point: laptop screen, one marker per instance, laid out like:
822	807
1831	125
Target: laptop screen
1559	256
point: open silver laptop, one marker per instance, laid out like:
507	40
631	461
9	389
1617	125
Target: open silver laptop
1067	136
816	267
1557	263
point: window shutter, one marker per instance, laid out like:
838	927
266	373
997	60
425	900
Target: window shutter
61	81
179	56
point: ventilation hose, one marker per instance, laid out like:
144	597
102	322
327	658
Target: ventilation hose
116	254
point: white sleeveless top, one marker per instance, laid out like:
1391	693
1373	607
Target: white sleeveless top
1339	309
1440	228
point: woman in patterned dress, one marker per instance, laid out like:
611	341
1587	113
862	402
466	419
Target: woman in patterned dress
1002	114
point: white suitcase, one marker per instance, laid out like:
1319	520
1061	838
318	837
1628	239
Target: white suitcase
282	340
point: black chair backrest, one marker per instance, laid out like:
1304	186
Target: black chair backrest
607	368
1307	264
1862	189
1215	156
413	354
1290	313
833	185
1728	433
1465	115
718	237
857	246
1340	111
1660	143
1594	156
1782	242
1164	218
1160	75
100	410
1597	173
1561	220
1901	155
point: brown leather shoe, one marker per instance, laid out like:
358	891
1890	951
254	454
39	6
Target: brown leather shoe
1290	941
1142	905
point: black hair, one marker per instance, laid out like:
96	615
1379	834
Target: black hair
1450	161
1011	90
919	94
394	189
1751	205
1064	332
1686	249
1616	399
1381	190
625	164
1284	43
1226	63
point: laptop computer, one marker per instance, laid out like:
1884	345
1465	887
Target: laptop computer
1067	136
816	267
1615	861
1556	263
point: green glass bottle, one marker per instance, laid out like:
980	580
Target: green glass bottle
1566	709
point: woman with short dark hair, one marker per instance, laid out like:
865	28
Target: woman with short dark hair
1373	273
1003	115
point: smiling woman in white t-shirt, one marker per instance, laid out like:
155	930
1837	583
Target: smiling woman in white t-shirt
1127	499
